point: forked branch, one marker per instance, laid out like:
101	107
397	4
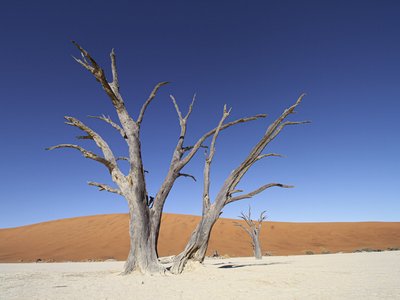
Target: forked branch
253	227
186	117
178	161
100	142
247	218
92	66
201	140
179	149
255	154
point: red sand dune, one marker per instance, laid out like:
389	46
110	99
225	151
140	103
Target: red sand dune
106	236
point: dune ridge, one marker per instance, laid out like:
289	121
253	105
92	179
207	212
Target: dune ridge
103	237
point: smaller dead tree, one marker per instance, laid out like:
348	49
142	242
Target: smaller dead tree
253	228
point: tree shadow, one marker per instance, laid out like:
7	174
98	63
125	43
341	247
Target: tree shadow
234	266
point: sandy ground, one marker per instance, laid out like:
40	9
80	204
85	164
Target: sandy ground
330	276
106	236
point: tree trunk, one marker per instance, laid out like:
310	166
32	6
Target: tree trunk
256	246
196	248
142	255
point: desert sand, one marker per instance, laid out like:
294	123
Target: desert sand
330	276
106	237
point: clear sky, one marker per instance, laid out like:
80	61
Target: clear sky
255	56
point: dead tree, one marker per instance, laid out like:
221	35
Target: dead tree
145	215
196	247
253	229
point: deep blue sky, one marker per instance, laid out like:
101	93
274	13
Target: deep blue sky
255	56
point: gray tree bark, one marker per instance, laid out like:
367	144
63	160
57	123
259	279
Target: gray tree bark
145	218
198	243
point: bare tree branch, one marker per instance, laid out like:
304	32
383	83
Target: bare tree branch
181	118
108	155
255	154
122	158
179	149
175	165
84	63
105	187
269	155
247	218
176	108
112	123
111	89
207	166
187	175
100	76
283	125
263	216
199	143
187	148
151	97
127	159
84	137
261	219
236	191
128	124
115	83
190	107
85	55
257	191
243	227
86	153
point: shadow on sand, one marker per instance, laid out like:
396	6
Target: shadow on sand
233	266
